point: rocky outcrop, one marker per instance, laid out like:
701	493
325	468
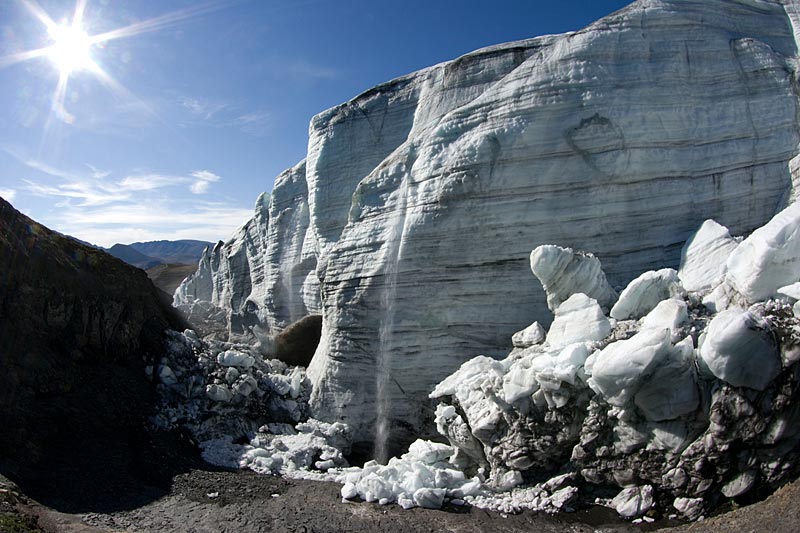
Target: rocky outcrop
77	328
425	195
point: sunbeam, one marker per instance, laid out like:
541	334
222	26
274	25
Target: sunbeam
71	50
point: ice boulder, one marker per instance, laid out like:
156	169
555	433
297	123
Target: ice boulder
578	319
533	334
618	370
234	358
704	255
672	389
564	272
645	292
740	349
769	258
633	501
792	291
670	314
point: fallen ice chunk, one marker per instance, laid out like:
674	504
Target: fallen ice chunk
578	319
166	375
508	481
691	508
704	255
672	389
245	386
564	273
740	349
739	484
671	314
218	393
633	501
645	292
533	334
429	452
349	491
792	291
429	498
617	370
769	258
234	358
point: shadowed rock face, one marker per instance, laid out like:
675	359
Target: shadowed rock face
77	328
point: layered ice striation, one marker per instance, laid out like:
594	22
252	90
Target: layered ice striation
619	139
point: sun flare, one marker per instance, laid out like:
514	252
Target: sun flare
70	49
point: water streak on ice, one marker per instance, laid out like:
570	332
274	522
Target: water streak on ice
383	377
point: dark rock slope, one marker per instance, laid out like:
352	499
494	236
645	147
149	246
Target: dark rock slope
77	329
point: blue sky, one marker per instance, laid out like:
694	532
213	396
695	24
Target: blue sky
194	117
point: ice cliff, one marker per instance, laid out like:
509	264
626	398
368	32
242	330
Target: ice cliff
410	223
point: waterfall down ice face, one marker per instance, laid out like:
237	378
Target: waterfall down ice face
386	349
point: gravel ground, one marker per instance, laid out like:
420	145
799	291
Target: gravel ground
172	490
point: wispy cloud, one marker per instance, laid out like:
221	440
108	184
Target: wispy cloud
87	193
97	173
203	180
96	206
40	165
149	182
153	221
227	115
255	123
203	108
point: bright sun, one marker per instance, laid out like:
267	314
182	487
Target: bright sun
70	49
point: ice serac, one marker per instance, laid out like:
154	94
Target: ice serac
620	139
263	277
564	273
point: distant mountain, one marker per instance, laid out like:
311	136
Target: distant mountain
147	255
173	252
132	256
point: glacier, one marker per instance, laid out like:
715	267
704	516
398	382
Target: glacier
410	223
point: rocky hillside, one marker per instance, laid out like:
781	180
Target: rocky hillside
77	328
410	222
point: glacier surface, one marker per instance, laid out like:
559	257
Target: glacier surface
410	223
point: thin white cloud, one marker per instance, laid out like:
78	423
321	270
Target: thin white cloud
153	221
8	194
87	193
203	180
255	123
97	173
41	166
204	109
149	182
233	114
